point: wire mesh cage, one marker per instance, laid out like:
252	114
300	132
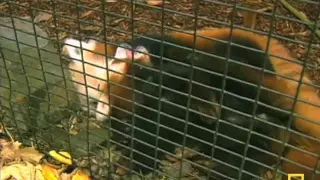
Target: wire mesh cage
159	89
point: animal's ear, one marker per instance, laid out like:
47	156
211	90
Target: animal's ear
140	51
125	52
91	43
72	47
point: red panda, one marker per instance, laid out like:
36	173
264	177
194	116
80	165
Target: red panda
274	82
170	100
279	57
280	65
95	76
275	63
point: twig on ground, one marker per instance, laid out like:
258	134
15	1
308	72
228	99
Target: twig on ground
300	15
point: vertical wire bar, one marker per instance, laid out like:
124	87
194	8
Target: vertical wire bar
259	88
39	54
160	89
22	65
38	51
54	20
105	38
85	82
10	93
133	90
196	10
227	58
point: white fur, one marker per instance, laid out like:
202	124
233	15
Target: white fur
263	116
139	52
122	53
142	49
103	108
75	46
91	72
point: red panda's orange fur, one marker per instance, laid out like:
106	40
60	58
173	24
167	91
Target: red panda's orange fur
300	159
124	93
282	67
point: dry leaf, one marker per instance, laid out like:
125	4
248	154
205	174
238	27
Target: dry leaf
90	13
65	176
77	174
90	28
62	35
155	2
21	171
80	175
42	16
49	172
29	154
249	19
8	144
74	131
8	151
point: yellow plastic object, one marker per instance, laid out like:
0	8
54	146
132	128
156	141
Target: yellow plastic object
63	157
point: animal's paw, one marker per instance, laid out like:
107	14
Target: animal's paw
86	109
103	110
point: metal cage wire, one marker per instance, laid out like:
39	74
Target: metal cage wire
78	6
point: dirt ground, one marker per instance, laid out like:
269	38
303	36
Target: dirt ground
61	19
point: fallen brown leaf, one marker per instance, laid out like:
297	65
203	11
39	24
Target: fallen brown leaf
65	176
3	5
49	172
7	153
156	2
80	175
121	171
117	21
249	19
62	35
29	154
89	13
21	171
42	16
90	28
